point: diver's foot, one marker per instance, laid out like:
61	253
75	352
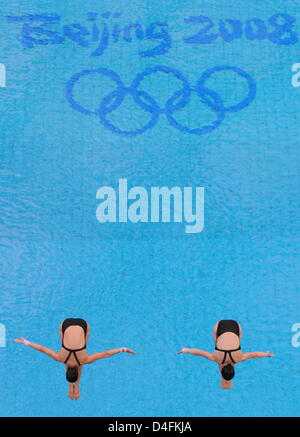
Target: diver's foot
76	393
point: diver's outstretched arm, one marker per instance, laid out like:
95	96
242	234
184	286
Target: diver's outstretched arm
197	352
249	355
39	348
107	354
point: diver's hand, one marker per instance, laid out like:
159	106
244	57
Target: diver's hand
184	350
126	349
22	340
269	354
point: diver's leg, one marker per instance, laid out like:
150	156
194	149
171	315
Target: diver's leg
241	331
76	392
71	391
60	331
215	331
87	333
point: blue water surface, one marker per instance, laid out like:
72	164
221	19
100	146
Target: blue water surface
150	286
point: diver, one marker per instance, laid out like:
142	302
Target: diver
227	336
74	334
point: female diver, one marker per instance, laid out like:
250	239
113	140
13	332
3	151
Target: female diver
227	336
74	335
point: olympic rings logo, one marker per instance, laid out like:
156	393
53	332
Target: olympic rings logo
145	101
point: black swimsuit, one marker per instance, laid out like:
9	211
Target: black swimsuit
228	326
73	322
